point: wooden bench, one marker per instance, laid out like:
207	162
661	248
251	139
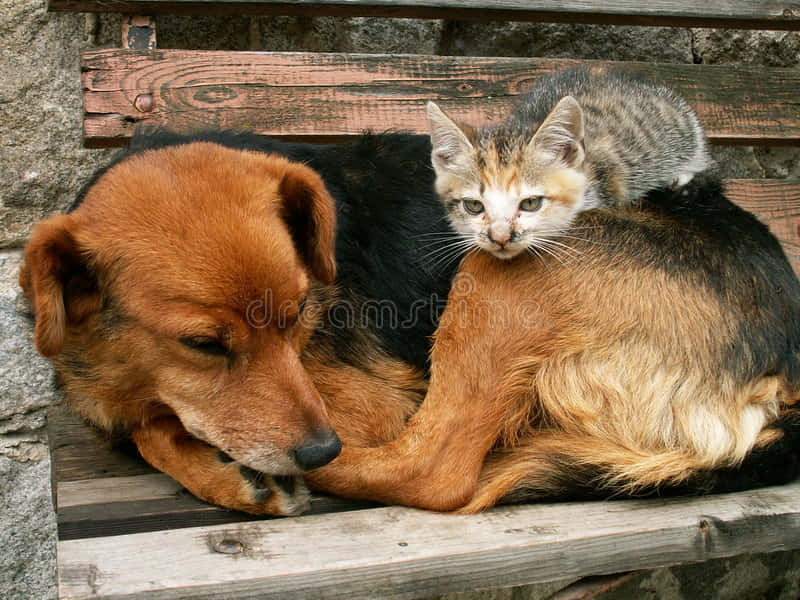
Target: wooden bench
127	531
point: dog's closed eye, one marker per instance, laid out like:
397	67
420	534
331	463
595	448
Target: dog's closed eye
205	345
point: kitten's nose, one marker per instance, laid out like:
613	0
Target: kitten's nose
500	234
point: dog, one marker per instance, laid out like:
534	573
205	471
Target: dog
200	293
243	307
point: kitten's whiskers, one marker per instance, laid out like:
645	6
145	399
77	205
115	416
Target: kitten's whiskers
446	248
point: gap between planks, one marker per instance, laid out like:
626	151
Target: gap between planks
740	14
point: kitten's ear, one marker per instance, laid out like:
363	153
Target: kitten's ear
561	135
451	146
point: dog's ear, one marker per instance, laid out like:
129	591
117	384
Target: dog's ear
310	214
57	281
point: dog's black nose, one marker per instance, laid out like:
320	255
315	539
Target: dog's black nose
317	450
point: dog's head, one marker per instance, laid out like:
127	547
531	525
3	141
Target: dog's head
184	284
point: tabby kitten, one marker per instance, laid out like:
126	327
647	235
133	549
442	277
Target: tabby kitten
579	140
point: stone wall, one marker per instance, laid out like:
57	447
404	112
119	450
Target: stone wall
42	166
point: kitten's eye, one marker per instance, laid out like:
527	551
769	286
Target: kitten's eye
531	204
473	207
205	345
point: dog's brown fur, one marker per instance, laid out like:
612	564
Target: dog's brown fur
156	254
613	367
612	375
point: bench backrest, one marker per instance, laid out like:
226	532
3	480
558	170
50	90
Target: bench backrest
331	96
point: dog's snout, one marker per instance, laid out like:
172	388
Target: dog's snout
317	450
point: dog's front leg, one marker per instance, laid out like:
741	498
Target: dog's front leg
433	464
436	461
212	476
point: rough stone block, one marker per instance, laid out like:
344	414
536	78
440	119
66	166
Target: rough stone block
27	520
42	163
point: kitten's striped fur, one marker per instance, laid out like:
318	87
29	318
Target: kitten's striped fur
579	140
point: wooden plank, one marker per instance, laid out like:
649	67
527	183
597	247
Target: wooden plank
339	95
403	553
776	202
154	486
79	451
760	14
153	502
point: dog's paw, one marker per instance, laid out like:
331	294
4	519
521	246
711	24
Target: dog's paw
277	494
251	491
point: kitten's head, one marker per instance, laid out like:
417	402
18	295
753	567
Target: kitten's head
512	187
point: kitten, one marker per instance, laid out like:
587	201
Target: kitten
576	141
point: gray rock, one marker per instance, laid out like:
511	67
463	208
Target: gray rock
767	48
42	163
321	34
779	163
567	41
737	162
391	36
27	520
203	33
26	379
734	46
27	531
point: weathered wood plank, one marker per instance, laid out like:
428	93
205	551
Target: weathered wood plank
79	451
153	486
761	14
403	553
320	95
154	502
121	518
776	203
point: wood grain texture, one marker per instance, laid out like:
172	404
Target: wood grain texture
761	14
153	486
80	451
155	502
333	96
404	553
776	203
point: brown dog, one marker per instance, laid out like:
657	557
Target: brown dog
179	299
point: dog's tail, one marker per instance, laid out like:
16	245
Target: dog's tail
773	463
555	466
